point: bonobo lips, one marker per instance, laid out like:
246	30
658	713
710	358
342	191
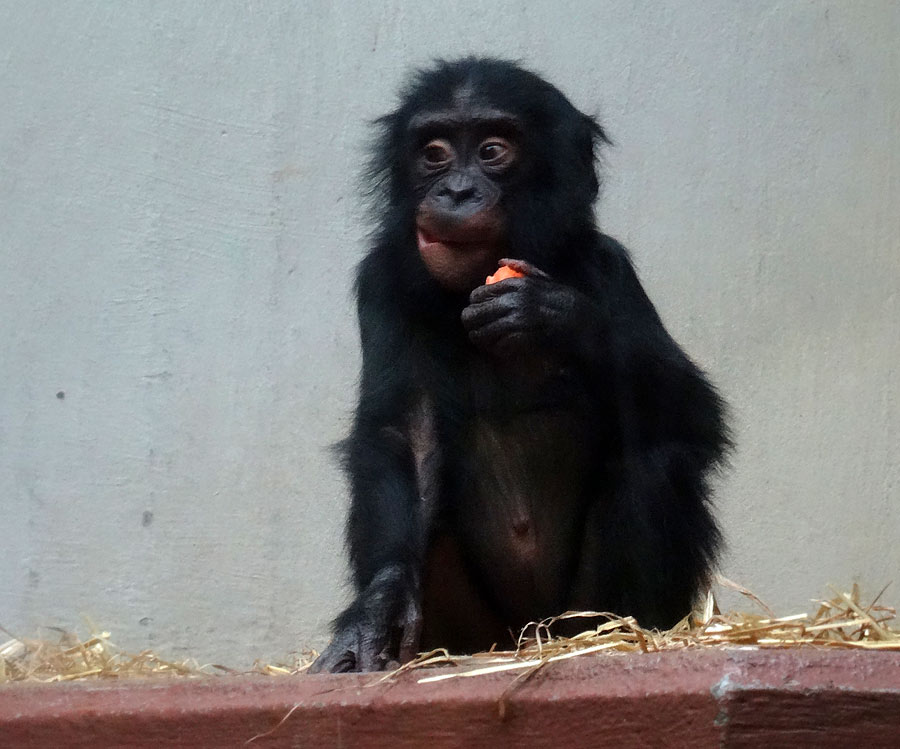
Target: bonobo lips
434	230
428	241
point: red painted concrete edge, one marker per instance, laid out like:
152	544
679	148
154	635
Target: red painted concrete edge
719	698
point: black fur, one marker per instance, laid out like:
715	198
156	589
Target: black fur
639	539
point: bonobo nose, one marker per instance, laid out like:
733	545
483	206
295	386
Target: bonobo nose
458	190
458	195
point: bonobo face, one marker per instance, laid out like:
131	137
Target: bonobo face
463	159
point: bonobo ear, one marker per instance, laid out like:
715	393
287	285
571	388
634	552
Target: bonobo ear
382	177
581	138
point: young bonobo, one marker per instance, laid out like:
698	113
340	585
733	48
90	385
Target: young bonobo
522	448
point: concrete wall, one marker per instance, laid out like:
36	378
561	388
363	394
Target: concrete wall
178	202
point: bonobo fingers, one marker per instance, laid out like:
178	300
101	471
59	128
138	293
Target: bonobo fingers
412	632
358	647
340	656
502	290
483	312
523	266
372	654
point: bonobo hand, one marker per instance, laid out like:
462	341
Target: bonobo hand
380	630
526	314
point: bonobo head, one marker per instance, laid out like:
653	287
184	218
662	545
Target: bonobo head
484	160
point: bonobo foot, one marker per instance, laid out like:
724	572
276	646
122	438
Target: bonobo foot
379	631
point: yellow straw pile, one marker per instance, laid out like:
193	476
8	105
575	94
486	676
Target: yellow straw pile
840	622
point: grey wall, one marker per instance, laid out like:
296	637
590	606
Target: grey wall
178	208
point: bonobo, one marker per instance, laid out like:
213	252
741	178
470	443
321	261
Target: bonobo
528	447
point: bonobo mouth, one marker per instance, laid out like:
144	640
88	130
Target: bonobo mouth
428	241
478	230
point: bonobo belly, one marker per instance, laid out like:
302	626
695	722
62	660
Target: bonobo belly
518	509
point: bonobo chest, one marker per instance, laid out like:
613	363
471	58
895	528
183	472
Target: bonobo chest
516	498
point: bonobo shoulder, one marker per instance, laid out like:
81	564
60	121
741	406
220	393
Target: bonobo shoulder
375	282
611	253
607	263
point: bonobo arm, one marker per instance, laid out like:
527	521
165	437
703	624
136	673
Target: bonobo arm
385	528
650	538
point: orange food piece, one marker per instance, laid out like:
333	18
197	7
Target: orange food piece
504	271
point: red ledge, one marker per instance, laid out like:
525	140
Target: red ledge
734	698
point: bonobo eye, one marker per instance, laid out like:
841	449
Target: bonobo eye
437	154
496	152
